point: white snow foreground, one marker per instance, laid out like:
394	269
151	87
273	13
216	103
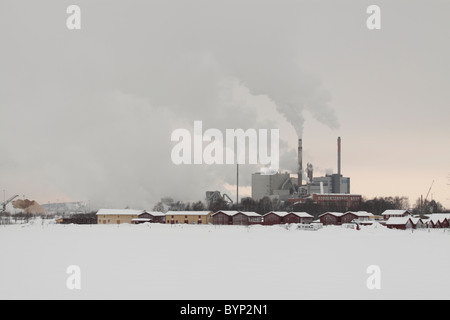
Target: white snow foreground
198	262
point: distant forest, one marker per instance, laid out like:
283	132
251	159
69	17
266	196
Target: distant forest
376	206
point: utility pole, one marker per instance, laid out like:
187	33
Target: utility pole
237	187
448	178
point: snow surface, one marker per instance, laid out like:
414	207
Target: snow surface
200	262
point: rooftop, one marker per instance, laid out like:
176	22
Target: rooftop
119	212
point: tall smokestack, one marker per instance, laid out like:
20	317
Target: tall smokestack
339	167
300	163
339	156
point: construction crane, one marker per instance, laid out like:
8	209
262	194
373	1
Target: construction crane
424	202
4	204
426	198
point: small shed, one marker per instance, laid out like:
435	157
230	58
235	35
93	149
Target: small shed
350	216
395	214
280	217
401	223
223	217
418	223
298	217
439	220
331	218
247	218
274	217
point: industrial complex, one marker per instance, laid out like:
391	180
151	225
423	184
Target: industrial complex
304	185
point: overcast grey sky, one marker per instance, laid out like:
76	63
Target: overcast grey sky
88	114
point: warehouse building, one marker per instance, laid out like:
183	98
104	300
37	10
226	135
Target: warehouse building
189	217
117	216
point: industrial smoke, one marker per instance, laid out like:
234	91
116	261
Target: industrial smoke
29	206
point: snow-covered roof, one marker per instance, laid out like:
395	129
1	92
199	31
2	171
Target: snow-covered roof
156	213
141	220
119	212
278	213
435	217
394	212
416	220
283	214
360	213
337	194
302	214
188	213
228	213
250	214
398	221
336	214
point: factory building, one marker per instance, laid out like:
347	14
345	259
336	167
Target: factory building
332	183
285	188
278	185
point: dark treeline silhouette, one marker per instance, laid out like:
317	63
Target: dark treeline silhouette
375	206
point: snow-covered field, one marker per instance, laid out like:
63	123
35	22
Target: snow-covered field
221	262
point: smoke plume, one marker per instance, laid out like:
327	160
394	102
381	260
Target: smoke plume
29	206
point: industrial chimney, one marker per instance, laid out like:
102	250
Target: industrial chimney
339	156
300	163
339	175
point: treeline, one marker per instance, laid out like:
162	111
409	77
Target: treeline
375	205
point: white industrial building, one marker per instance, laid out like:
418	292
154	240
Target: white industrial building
278	185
